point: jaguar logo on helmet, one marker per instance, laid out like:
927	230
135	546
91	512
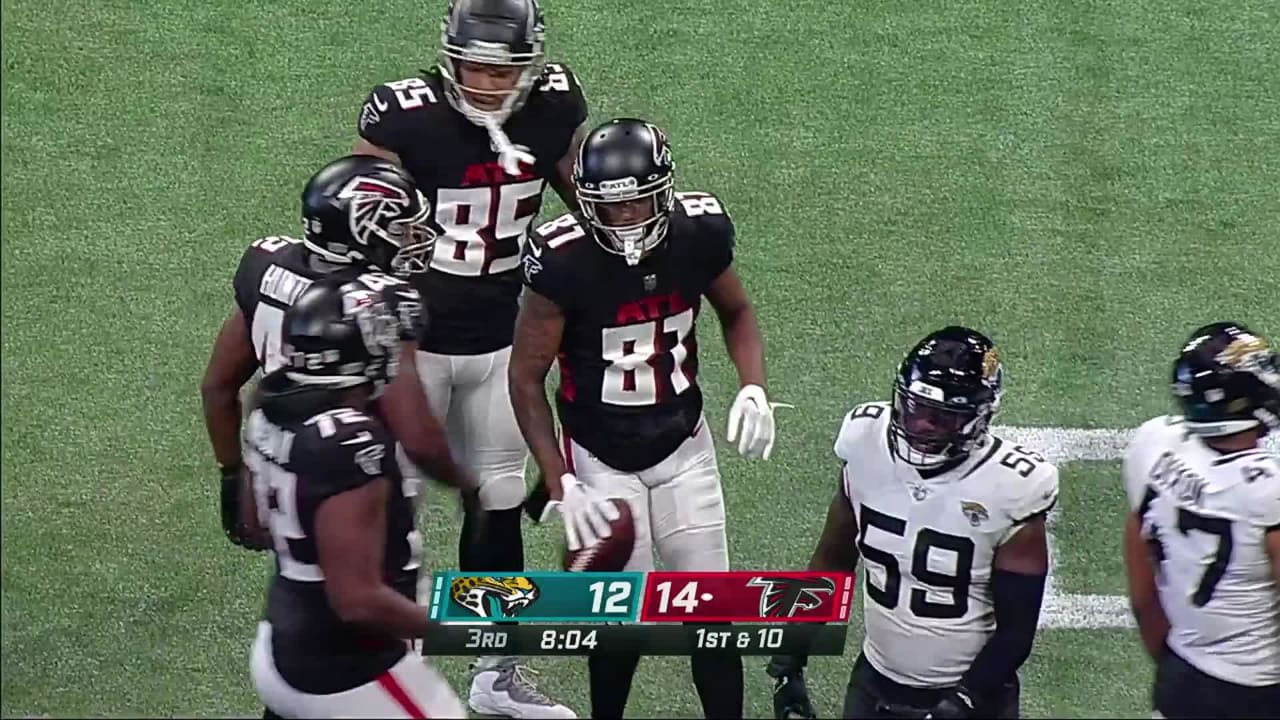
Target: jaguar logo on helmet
991	367
372	205
1244	353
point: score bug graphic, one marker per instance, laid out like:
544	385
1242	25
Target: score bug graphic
554	597
747	597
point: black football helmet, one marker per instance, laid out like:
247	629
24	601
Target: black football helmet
620	164
1227	380
340	334
361	209
947	391
491	32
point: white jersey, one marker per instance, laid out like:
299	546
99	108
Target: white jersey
928	545
1207	514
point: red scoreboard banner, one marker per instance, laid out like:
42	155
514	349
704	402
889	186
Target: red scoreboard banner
775	597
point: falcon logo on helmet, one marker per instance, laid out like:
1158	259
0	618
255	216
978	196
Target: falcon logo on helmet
373	205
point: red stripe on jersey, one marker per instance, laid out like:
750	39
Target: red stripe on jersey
567	388
392	687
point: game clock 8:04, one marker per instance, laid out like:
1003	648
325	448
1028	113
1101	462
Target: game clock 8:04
567	639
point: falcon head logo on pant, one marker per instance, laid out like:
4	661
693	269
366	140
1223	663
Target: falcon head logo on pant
494	598
784	596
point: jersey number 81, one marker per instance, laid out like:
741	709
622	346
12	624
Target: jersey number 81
631	377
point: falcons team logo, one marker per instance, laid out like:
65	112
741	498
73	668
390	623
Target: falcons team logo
785	596
372	203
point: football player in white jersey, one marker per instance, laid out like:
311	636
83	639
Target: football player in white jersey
949	521
1202	543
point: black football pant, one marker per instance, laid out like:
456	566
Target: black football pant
1183	691
872	695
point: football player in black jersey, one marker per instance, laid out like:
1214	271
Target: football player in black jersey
482	134
614	293
341	604
362	217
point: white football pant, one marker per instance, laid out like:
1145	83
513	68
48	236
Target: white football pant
677	504
468	394
410	689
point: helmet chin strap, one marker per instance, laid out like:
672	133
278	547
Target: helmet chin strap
510	155
632	241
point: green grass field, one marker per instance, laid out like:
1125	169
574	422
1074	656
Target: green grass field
1084	181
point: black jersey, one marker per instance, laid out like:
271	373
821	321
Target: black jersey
629	356
299	460
274	271
484	212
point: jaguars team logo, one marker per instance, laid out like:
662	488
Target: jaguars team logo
1246	352
494	598
976	512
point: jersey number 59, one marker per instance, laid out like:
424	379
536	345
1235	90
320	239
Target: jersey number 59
927	540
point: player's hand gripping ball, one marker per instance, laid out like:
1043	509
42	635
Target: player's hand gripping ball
609	554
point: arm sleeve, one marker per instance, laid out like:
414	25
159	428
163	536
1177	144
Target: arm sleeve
1133	468
1267	478
383	122
1036	498
245	284
566	106
356	454
543	271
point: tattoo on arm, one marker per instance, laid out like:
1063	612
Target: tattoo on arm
539	328
741	330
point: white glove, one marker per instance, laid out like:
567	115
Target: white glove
510	155
752	415
586	513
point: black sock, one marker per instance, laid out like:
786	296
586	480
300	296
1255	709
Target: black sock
268	715
610	679
492	543
718	678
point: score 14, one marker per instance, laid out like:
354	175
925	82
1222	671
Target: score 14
686	598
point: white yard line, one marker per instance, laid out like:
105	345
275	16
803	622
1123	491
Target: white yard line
1064	445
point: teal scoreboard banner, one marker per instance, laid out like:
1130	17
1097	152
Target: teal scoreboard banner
536	597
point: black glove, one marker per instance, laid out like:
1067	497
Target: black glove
790	696
536	501
231	503
957	704
232	486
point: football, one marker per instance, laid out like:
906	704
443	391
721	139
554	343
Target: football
611	553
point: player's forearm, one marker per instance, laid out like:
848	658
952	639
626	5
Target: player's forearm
222	420
380	607
1017	599
746	345
533	415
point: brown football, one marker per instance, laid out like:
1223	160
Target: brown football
611	553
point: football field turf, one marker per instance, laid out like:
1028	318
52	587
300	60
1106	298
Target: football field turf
1086	182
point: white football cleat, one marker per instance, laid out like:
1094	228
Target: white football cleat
502	686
